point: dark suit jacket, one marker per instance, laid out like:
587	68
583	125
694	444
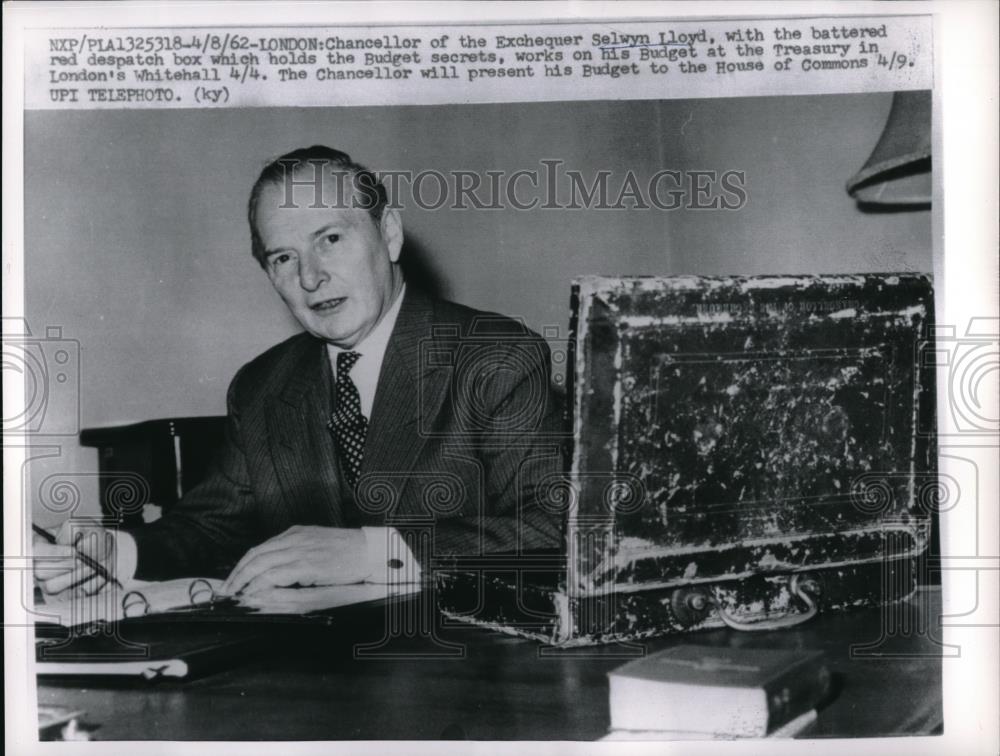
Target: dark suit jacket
464	439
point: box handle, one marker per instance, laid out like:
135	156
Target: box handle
802	588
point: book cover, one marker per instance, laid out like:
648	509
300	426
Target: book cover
791	729
717	691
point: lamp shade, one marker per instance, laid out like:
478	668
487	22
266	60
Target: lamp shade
898	172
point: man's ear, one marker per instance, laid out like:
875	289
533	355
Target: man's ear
391	227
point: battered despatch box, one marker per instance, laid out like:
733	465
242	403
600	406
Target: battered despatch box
746	452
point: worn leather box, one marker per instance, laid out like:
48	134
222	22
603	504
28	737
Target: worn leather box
746	452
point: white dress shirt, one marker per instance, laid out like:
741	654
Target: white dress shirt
372	348
389	558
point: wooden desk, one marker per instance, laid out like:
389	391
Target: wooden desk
502	688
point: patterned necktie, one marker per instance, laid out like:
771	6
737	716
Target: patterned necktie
347	423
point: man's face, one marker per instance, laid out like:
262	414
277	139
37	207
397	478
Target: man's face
332	264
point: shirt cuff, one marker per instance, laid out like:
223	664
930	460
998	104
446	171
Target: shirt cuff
390	560
126	556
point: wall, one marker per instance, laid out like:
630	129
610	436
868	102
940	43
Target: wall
136	240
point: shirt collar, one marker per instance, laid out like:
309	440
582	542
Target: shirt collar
375	343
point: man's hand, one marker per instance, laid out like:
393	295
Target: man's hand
303	555
60	568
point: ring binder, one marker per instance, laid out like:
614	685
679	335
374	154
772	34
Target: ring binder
133	599
199	587
201	599
200	593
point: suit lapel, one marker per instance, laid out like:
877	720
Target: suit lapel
408	396
301	444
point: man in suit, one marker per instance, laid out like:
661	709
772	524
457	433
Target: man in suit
396	430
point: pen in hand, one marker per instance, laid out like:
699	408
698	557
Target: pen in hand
96	566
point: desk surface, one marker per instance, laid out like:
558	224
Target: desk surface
501	688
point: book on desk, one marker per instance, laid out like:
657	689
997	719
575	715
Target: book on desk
697	692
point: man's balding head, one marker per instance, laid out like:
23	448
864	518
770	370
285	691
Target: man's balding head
330	245
309	165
